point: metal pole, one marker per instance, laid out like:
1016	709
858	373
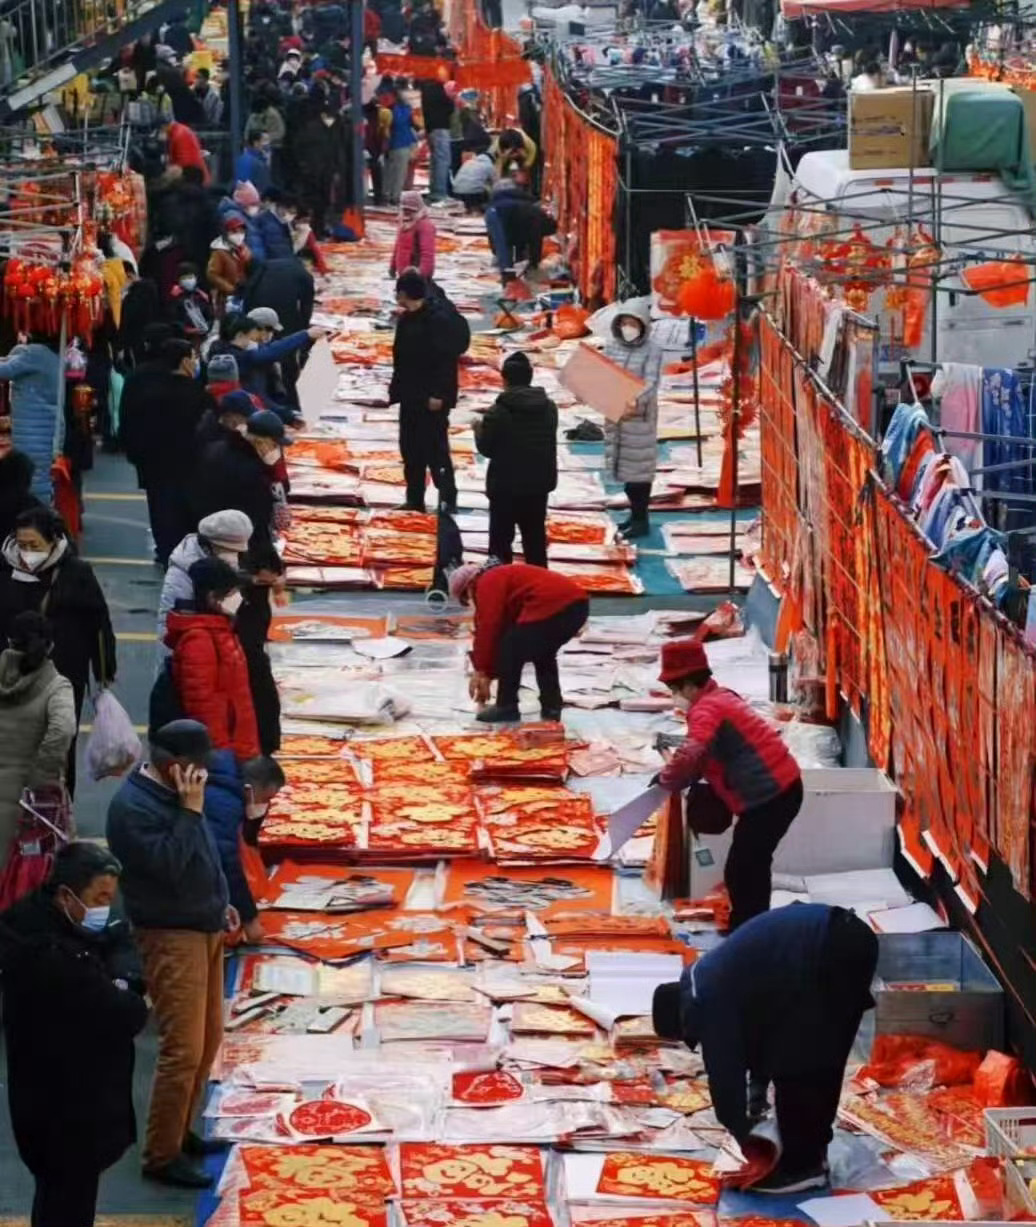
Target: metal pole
735	422
237	72
356	101
693	338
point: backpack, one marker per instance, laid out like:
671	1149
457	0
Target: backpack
456	333
164	705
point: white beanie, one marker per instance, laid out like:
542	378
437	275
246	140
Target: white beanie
231	529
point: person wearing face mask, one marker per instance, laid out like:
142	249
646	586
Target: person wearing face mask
177	900
37	719
275	222
41	571
415	238
224	534
244	204
230	417
257	358
189	305
229	257
158	442
209	671
631	445
253	164
323	150
238	471
62	958
745	765
236	802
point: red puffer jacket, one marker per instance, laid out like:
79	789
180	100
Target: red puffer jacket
211	678
514	593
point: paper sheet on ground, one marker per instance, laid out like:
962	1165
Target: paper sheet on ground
847	1211
624	822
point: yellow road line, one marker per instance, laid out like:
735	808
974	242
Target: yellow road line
89	728
120	562
136	636
93	497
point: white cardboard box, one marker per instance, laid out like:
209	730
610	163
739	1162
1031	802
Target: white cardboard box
847	821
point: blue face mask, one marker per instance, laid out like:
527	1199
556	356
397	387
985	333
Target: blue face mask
95	919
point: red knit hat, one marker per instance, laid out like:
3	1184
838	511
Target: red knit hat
681	657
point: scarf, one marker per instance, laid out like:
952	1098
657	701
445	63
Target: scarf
12	556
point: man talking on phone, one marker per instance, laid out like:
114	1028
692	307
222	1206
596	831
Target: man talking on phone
176	896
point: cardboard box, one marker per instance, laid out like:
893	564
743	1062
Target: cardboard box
847	821
889	128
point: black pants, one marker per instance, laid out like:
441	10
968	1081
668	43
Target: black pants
750	860
538	642
527	513
66	1199
424	444
639	495
807	1103
169	511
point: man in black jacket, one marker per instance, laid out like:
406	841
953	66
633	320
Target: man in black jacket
519	437
234	473
177	899
431	335
781	999
65	964
158	427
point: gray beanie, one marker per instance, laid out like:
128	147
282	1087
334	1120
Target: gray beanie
230	529
222	369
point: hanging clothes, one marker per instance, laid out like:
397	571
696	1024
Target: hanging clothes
1003	413
958	386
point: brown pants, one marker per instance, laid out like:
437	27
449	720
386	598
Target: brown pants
184	974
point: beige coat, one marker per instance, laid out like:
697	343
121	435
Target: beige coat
37	725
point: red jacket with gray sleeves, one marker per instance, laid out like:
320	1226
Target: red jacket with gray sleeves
515	593
734	749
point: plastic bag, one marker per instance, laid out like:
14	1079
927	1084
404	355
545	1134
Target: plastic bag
1001	1081
918	1063
113	746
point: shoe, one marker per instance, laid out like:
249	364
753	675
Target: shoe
181	1173
636	530
550	713
197	1147
780	1180
624	527
495	714
408	507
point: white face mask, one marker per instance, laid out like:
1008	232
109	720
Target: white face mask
681	702
231	604
272	457
629	332
328	120
252	211
33	558
237	239
254	810
188	284
95	919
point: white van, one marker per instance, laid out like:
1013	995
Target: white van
978	214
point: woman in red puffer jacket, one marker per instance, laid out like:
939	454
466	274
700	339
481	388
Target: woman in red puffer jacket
209	667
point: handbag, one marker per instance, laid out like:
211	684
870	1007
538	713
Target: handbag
707	813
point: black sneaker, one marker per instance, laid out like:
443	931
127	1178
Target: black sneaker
181	1173
780	1180
550	713
495	714
197	1147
